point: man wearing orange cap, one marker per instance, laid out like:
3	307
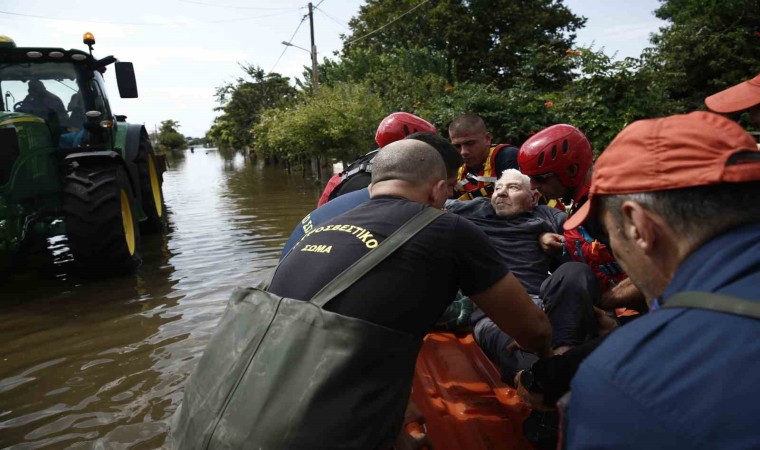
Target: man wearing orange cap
677	199
740	97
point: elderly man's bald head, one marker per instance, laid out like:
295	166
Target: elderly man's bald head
410	161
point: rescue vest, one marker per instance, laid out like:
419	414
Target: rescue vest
481	184
584	248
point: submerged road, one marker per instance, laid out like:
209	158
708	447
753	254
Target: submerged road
101	363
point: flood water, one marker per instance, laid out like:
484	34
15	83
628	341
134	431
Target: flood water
102	363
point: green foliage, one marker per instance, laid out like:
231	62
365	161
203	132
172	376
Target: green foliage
402	78
339	122
168	136
510	62
608	95
708	46
242	103
482	40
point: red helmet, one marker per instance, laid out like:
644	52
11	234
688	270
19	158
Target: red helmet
553	150
399	125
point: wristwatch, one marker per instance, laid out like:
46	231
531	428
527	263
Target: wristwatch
529	382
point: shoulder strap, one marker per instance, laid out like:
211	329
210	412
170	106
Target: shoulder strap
374	257
715	302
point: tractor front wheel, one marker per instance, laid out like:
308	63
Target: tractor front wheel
101	217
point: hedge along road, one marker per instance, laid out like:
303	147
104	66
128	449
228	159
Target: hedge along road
101	363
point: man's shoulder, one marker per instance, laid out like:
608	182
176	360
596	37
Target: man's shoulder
506	157
339	205
654	368
552	215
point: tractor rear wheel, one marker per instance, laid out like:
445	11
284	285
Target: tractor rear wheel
101	217
150	189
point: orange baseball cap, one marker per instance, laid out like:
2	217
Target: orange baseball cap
736	98
681	151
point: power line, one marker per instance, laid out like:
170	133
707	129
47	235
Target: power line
339	22
140	23
235	7
289	40
392	21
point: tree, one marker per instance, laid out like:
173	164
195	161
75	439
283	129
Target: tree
708	46
608	95
168	136
403	78
482	40
242	102
338	121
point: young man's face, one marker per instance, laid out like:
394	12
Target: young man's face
472	145
548	185
511	196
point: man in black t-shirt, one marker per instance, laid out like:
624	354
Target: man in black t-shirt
410	289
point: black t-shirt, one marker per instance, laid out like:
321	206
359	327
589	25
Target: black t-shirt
516	238
412	287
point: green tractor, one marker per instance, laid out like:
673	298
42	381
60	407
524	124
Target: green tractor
74	169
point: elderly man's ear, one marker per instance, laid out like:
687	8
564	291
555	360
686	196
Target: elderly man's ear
535	197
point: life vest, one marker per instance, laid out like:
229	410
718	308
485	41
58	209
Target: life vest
363	165
584	248
481	184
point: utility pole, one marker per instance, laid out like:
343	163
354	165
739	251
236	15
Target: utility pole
314	76
316	168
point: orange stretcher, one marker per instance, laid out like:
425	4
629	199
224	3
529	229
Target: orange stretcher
462	398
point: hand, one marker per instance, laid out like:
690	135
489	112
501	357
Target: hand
605	322
551	242
532	399
413	437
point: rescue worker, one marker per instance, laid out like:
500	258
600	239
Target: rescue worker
558	160
483	162
408	291
677	197
357	175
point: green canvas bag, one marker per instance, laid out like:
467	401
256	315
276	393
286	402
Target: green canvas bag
281	373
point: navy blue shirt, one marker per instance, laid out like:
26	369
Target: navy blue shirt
334	207
679	378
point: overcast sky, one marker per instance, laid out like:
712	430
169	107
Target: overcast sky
183	49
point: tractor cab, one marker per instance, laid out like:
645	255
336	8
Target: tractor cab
65	88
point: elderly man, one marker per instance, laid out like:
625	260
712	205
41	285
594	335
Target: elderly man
483	162
677	197
515	225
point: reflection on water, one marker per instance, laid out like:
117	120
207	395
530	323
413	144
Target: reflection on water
101	363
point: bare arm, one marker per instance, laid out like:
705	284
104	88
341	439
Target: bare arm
624	295
510	307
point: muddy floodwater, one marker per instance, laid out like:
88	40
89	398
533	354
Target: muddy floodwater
101	363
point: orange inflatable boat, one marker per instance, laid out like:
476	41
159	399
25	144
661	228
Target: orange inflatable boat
462	398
